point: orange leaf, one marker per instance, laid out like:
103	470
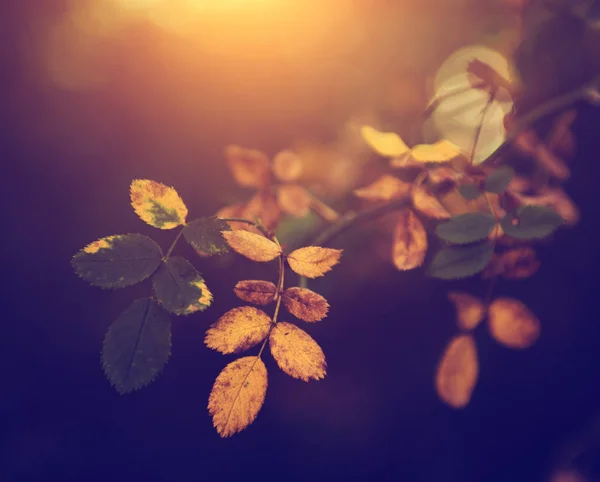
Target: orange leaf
405	161
237	395
458	371
425	202
313	261
410	241
249	167
519	263
252	246
442	175
305	304
384	189
287	166
256	291
556	199
512	324
296	353
262	206
529	143
294	200
237	330
470	311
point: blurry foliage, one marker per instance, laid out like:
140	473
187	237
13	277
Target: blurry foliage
458	213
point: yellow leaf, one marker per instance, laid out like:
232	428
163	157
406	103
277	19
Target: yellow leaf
287	166
156	204
296	353
262	206
405	161
253	246
313	261
237	395
512	324
384	189
441	151
237	330
470	311
294	200
425	202
458	371
249	167
387	144
305	304
410	241
256	291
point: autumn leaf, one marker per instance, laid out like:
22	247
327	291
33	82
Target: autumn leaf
294	200
296	353
238	330
405	161
441	151
237	395
156	204
470	311
313	261
554	198
531	222
252	246
305	304
249	167
256	291
118	261
529	143
458	371
263	206
388	144
287	166
425	202
137	346
204	234
519	263
512	324
442	175
461	262
385	188
410	241
466	228
179	287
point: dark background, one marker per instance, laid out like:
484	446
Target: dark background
67	160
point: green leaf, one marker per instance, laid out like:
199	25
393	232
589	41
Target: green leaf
204	234
499	179
531	222
461	262
466	228
137	346
469	191
118	261
179	288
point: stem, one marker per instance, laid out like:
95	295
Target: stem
480	126
258	226
278	295
172	247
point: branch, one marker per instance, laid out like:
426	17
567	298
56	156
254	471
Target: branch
550	107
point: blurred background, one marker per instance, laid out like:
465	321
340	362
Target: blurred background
98	92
